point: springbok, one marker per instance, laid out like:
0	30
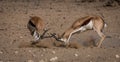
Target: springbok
36	26
82	24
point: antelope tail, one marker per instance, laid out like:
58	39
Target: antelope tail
105	25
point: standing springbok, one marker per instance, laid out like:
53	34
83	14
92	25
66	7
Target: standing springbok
36	27
85	23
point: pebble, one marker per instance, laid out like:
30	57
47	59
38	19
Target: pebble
53	59
53	52
42	55
29	51
1	52
30	61
88	55
16	52
21	37
44	50
117	56
41	61
90	61
76	55
1	61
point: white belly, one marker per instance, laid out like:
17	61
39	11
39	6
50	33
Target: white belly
89	25
85	27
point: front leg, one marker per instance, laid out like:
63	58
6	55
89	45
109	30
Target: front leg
66	40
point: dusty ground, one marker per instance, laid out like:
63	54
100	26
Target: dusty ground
59	15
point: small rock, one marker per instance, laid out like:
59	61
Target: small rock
1	52
88	55
90	61
30	61
42	55
44	50
117	56
76	55
29	51
53	52
41	61
1	61
21	37
16	52
53	59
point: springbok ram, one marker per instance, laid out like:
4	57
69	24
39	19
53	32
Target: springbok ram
82	24
36	27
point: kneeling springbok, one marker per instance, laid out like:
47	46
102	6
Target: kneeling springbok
36	26
85	23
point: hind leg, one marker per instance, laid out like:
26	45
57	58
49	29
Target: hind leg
98	26
102	38
100	33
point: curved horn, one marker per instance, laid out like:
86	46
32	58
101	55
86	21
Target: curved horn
54	36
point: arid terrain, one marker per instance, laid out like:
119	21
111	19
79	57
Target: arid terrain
58	15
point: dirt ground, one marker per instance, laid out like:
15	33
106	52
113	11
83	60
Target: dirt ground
58	15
